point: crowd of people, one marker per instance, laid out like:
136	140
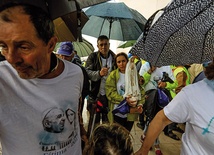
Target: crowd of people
43	95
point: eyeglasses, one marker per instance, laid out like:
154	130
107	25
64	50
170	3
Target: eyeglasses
104	44
205	64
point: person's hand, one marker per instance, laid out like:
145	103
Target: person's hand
152	69
141	80
104	71
138	153
161	84
84	138
142	137
140	109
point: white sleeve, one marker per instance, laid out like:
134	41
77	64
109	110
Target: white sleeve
178	109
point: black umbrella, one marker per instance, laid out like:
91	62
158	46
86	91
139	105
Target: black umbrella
68	29
116	20
182	33
65	13
56	8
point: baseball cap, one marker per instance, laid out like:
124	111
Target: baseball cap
66	48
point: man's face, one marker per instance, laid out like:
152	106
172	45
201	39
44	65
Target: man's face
56	120
103	46
19	43
70	115
68	58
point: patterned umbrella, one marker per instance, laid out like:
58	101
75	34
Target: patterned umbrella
182	33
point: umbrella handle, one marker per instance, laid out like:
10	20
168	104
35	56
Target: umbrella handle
110	19
79	37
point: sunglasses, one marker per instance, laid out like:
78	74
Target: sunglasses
105	44
205	64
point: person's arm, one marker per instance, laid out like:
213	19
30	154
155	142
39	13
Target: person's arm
90	66
111	88
155	128
147	75
142	101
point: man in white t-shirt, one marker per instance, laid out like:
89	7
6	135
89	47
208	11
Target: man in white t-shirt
37	88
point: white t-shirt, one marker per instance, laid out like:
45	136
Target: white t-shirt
121	91
144	68
195	106
158	73
103	79
40	116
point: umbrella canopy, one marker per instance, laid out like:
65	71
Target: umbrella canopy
56	8
67	15
126	44
116	20
68	29
83	48
181	34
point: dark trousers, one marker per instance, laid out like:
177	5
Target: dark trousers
123	122
142	118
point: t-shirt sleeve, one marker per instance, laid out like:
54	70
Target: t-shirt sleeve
178	109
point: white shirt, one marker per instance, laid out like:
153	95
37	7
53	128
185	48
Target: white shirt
29	108
158	73
195	106
103	79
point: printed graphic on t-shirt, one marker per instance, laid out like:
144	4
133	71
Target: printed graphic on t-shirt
60	130
122	89
208	133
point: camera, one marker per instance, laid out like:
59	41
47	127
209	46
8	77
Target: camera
166	78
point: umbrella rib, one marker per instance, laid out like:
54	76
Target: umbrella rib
102	25
204	42
122	31
178	30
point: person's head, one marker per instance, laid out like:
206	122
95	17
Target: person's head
109	139
70	114
75	52
103	45
66	51
209	69
121	59
54	120
27	39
